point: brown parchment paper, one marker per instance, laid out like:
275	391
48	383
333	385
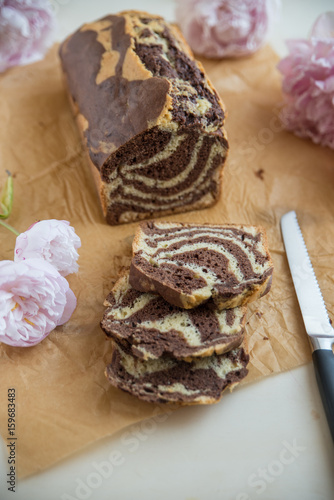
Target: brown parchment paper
62	397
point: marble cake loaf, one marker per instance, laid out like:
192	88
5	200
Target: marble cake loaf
187	264
150	119
152	327
166	380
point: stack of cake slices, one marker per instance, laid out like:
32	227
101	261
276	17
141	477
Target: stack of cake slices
177	316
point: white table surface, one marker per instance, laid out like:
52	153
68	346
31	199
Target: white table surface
268	440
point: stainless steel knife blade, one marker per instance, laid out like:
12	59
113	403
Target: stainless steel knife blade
314	312
308	292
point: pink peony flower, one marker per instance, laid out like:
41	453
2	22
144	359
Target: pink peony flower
308	84
26	31
224	28
52	240
34	299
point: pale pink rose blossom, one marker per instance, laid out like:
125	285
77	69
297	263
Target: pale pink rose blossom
308	84
34	299
27	29
226	28
52	240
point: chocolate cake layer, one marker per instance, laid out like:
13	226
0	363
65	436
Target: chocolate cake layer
152	327
166	380
187	264
151	121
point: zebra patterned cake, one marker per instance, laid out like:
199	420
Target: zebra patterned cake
187	264
151	121
152	327
166	380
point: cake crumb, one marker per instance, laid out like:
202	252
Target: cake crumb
260	174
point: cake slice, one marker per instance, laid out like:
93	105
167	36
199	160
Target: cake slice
187	264
166	380
152	327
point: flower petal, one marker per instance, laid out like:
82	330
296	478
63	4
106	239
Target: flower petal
54	241
27	29
308	88
71	304
34	299
324	26
225	28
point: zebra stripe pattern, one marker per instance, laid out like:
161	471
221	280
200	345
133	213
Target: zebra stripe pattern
153	328
166	380
187	264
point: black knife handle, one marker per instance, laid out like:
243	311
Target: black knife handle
323	360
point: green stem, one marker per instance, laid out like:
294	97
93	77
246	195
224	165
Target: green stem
4	224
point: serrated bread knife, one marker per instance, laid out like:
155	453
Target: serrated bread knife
315	316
